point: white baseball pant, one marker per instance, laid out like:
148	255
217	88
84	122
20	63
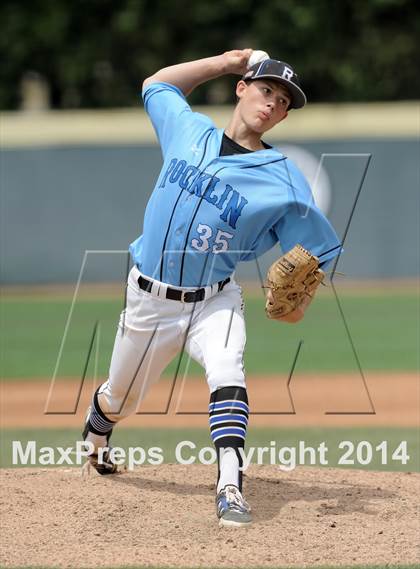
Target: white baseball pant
152	331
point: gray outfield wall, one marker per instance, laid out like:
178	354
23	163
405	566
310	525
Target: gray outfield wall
59	201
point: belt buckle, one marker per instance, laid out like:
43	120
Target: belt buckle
194	293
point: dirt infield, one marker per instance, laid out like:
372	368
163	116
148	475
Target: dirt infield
165	516
328	400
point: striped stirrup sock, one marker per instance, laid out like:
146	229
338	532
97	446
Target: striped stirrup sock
98	422
228	417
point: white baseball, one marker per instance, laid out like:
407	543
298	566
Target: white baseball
256	57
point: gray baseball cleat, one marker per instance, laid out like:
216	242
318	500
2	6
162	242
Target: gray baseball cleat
231	508
106	466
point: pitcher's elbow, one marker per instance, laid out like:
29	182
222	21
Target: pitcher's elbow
148	81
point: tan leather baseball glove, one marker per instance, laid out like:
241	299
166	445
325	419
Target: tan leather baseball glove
292	278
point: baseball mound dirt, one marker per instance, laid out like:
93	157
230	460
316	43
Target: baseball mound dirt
164	516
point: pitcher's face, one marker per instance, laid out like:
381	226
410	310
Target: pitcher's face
262	103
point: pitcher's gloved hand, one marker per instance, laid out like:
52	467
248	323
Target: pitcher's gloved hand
292	280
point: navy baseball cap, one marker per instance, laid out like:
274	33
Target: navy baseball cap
282	73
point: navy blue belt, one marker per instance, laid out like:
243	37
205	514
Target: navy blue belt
181	295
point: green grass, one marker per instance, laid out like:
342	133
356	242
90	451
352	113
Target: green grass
384	331
167	440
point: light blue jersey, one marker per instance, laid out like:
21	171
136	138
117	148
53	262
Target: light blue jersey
207	212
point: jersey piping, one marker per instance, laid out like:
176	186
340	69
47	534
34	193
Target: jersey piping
174	208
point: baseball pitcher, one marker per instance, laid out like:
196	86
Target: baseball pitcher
222	196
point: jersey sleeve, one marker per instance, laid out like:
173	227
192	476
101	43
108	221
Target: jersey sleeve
170	114
301	221
311	229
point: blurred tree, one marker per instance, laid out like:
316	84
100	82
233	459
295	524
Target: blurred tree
95	53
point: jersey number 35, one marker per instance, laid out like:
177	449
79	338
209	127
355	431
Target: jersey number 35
218	244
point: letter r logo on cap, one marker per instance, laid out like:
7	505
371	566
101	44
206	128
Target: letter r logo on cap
287	73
